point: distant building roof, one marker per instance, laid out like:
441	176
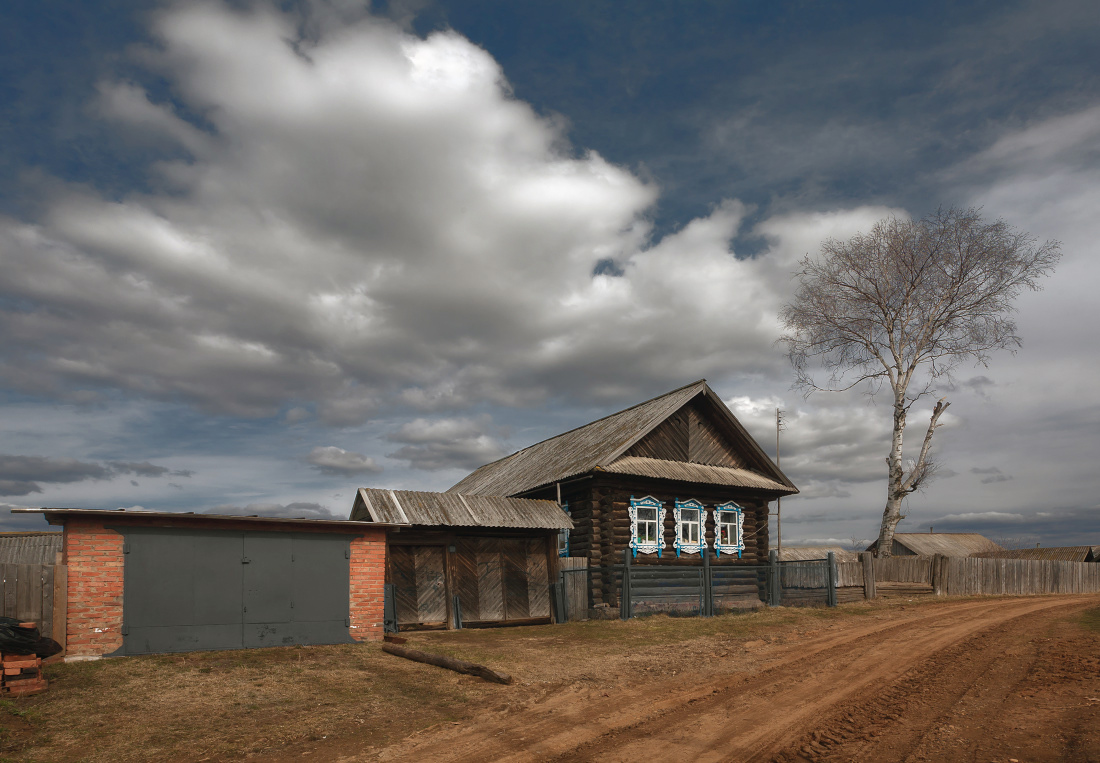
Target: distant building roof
30	547
410	507
1053	553
947	544
808	553
602	443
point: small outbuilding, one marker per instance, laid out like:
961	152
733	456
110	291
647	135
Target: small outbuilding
946	544
810	553
30	547
1051	553
466	560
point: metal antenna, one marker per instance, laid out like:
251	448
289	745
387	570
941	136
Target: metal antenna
779	422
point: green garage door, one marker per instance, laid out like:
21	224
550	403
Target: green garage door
188	590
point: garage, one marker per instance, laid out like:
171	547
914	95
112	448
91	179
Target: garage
142	582
186	590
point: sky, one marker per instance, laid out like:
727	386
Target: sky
256	255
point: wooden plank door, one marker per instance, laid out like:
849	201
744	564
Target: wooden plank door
431	585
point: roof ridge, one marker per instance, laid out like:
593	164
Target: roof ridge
594	421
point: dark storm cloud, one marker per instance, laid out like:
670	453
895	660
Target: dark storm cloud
22	475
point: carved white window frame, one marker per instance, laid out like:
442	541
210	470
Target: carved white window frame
700	544
647	546
738	546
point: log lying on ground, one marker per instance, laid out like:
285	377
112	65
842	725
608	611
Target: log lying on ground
459	666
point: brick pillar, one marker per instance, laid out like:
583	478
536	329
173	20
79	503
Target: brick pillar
93	556
367	578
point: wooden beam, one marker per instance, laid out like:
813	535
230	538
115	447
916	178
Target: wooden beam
450	663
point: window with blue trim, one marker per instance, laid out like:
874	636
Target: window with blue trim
729	536
563	535
688	516
647	519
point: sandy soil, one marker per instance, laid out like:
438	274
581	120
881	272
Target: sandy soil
972	680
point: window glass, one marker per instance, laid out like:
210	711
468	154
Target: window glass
646	517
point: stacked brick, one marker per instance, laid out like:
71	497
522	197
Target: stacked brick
367	572
94	558
22	673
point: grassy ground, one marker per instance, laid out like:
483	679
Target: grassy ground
231	705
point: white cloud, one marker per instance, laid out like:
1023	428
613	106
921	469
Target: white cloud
448	443
368	217
342	463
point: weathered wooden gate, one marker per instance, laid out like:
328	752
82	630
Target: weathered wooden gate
492	580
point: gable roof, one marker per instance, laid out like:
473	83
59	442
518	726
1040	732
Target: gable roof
411	507
948	544
602	443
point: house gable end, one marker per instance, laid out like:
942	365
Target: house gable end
668	441
693	435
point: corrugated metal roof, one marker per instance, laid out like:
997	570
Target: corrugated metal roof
58	516
706	473
806	553
457	510
948	544
1054	553
598	444
30	547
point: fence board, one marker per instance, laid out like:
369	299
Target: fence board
574	573
29	594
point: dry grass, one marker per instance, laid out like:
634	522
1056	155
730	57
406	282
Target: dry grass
229	705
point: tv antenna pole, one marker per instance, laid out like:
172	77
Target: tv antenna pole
779	422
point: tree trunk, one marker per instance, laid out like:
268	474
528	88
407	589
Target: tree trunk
891	515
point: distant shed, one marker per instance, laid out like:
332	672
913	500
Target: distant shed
947	544
475	559
809	553
30	547
1053	553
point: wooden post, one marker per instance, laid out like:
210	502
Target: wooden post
60	603
867	559
775	595
624	589
937	574
831	578
708	587
456	607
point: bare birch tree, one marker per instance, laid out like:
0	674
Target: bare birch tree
903	305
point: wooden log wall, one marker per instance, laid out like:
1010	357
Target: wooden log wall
599	510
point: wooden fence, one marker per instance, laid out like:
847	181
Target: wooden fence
968	576
574	581
36	593
948	576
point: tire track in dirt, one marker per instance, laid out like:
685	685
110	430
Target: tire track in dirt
721	719
771	719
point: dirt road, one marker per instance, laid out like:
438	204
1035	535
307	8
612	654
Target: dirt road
976	680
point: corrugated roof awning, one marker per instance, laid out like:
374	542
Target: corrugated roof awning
457	510
678	470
